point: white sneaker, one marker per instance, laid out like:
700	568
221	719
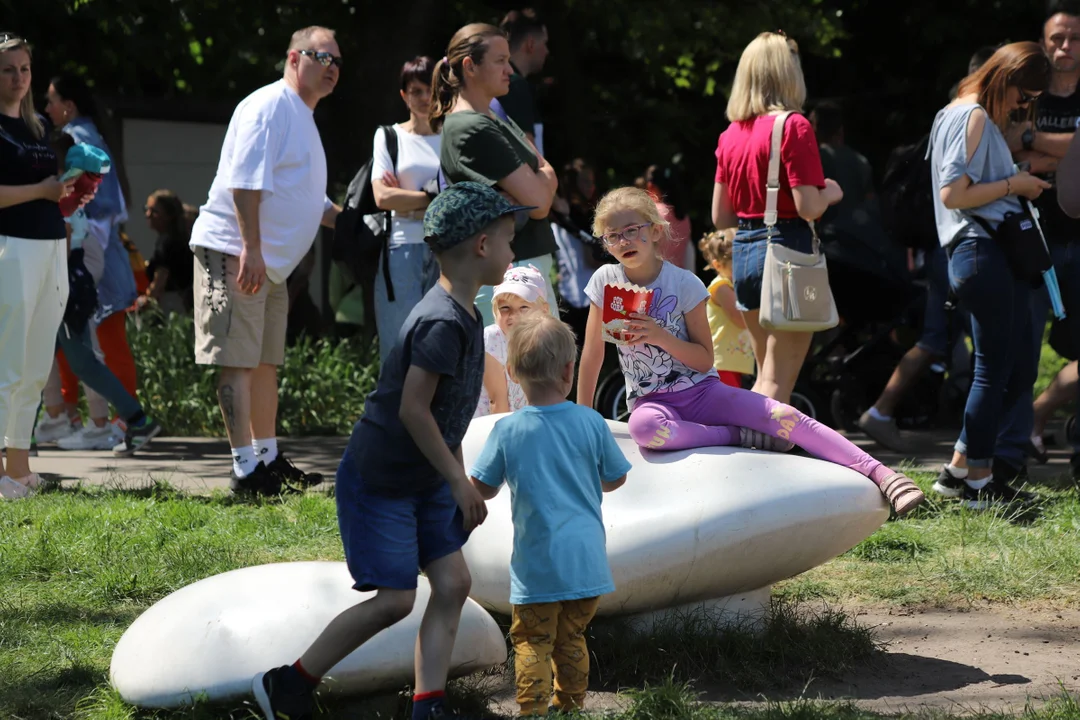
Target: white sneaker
51	429
91	437
12	489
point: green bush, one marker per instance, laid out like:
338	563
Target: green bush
322	384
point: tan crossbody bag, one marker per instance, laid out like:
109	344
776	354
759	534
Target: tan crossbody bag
795	292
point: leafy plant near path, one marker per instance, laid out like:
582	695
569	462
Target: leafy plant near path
322	385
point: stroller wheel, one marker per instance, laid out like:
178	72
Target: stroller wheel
1068	432
807	402
610	399
846	406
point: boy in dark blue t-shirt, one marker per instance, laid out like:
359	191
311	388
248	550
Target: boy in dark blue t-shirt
404	500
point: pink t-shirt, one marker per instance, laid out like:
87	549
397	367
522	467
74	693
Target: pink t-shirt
742	163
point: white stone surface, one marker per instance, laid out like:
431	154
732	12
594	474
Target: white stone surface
210	638
697	525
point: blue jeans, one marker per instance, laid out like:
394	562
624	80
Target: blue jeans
935	332
88	367
543	264
1000	310
748	258
413	271
1020	422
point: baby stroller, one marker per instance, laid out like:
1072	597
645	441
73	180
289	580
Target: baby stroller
881	306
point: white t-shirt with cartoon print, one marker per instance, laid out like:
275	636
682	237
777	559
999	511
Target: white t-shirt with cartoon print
497	345
647	368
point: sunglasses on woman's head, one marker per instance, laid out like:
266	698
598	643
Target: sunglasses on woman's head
1025	98
324	58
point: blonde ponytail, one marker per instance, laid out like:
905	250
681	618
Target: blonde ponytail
447	79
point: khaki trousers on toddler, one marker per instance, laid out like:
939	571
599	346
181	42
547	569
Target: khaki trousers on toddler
549	639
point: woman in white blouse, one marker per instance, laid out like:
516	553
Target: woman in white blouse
406	191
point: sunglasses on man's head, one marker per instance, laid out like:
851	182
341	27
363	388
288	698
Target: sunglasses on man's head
324	58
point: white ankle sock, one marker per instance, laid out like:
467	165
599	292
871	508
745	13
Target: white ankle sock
265	450
243	460
979	484
874	413
958	473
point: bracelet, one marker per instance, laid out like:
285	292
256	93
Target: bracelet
1008	187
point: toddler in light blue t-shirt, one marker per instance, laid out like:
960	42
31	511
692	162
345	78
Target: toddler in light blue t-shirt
558	459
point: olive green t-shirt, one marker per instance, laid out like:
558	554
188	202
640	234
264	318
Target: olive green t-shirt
484	149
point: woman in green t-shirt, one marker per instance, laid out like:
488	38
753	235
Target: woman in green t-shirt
481	147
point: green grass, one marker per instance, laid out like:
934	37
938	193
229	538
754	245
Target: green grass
77	566
945	555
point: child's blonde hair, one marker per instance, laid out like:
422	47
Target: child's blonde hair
768	79
717	246
540	347
628	198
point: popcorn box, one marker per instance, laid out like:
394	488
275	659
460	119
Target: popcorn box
620	301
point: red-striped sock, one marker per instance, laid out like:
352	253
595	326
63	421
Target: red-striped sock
308	677
424	703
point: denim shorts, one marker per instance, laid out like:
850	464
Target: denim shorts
748	258
388	540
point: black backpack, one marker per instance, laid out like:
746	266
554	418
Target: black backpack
82	294
907	199
362	232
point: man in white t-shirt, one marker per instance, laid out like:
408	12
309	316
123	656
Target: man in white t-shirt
265	207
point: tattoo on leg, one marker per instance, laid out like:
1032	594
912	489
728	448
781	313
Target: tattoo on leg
225	397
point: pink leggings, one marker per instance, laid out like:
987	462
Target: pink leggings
711	413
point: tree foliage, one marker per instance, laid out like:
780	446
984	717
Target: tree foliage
629	82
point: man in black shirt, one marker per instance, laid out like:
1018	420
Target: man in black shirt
528	39
1043	144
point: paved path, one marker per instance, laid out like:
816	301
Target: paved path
202	464
197	465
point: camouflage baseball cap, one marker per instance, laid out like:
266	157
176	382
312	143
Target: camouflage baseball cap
461	211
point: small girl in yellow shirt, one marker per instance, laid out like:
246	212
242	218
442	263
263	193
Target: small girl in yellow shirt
733	355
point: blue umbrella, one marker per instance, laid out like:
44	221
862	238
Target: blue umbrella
1050	275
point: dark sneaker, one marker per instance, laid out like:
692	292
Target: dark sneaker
137	438
994	493
1074	466
1004	471
288	474
948	484
259	481
283	695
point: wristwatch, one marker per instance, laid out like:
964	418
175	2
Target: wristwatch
1028	139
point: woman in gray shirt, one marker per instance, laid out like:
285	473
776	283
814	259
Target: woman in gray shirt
973	172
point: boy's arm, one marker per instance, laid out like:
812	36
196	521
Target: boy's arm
613	464
486	491
491	465
415	414
614	484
